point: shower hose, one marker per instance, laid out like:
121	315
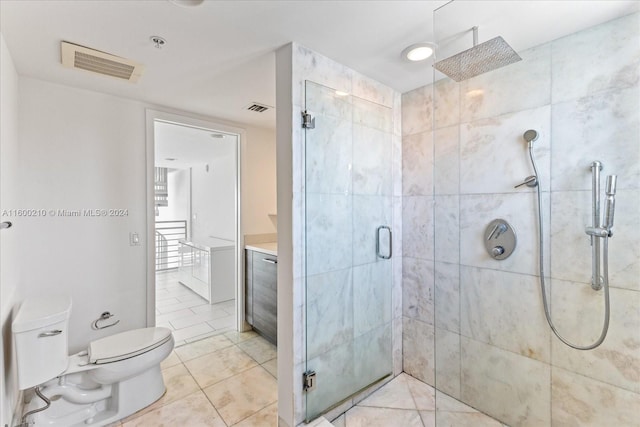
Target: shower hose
605	274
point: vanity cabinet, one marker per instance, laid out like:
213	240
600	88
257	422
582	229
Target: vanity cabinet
261	301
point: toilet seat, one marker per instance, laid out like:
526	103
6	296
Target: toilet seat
127	344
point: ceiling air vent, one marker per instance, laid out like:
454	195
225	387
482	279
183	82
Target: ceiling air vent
258	108
76	56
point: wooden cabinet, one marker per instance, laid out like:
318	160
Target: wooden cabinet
262	293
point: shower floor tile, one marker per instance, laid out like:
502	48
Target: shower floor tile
408	402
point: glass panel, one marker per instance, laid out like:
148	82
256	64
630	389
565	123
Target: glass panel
494	350
348	286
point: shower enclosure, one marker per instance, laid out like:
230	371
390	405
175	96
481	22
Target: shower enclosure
492	348
348	197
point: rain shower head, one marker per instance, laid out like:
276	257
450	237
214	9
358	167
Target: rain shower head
479	59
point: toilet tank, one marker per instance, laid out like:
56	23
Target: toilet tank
41	333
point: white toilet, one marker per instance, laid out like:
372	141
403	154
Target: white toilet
115	377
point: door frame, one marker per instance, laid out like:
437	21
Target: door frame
207	124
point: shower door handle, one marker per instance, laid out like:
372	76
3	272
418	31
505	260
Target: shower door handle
390	245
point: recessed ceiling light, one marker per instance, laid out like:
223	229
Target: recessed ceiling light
187	3
341	93
418	51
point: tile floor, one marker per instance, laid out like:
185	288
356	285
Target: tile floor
408	402
187	314
225	380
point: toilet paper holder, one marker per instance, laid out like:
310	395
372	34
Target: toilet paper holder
104	316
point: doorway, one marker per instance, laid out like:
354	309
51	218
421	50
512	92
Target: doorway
194	267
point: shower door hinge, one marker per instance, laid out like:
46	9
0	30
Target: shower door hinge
308	121
309	380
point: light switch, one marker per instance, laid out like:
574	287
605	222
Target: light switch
134	239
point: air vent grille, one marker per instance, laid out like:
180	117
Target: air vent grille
258	108
76	56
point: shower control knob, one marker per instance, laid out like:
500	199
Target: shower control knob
497	251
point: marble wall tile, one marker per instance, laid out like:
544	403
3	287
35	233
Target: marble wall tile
373	115
578	313
309	65
494	156
418	350
417	227
447	103
571	213
328	236
418	289
372	162
329	311
396	164
447	228
578	401
448	362
520	86
397	345
604	127
447	301
417	110
321	100
328	232
520	211
504	385
613	46
369	212
335	367
329	156
372	357
372	90
504	310
417	164
371	297
446	168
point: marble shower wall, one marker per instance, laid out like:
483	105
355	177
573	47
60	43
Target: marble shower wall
328	196
475	327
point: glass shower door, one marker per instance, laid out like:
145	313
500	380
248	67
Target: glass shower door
348	196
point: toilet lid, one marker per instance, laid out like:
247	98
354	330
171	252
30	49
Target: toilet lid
127	344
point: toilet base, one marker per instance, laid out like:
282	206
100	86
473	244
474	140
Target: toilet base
122	399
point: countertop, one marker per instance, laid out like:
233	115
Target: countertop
266	248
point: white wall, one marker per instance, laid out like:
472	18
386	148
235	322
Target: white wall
213	185
83	150
179	187
9	273
259	182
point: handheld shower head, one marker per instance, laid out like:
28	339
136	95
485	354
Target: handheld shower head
531	135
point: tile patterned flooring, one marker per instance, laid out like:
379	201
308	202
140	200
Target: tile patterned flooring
218	377
187	314
408	402
225	380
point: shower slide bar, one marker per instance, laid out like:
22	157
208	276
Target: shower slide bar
600	229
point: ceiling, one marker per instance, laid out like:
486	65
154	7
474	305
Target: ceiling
219	56
189	146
